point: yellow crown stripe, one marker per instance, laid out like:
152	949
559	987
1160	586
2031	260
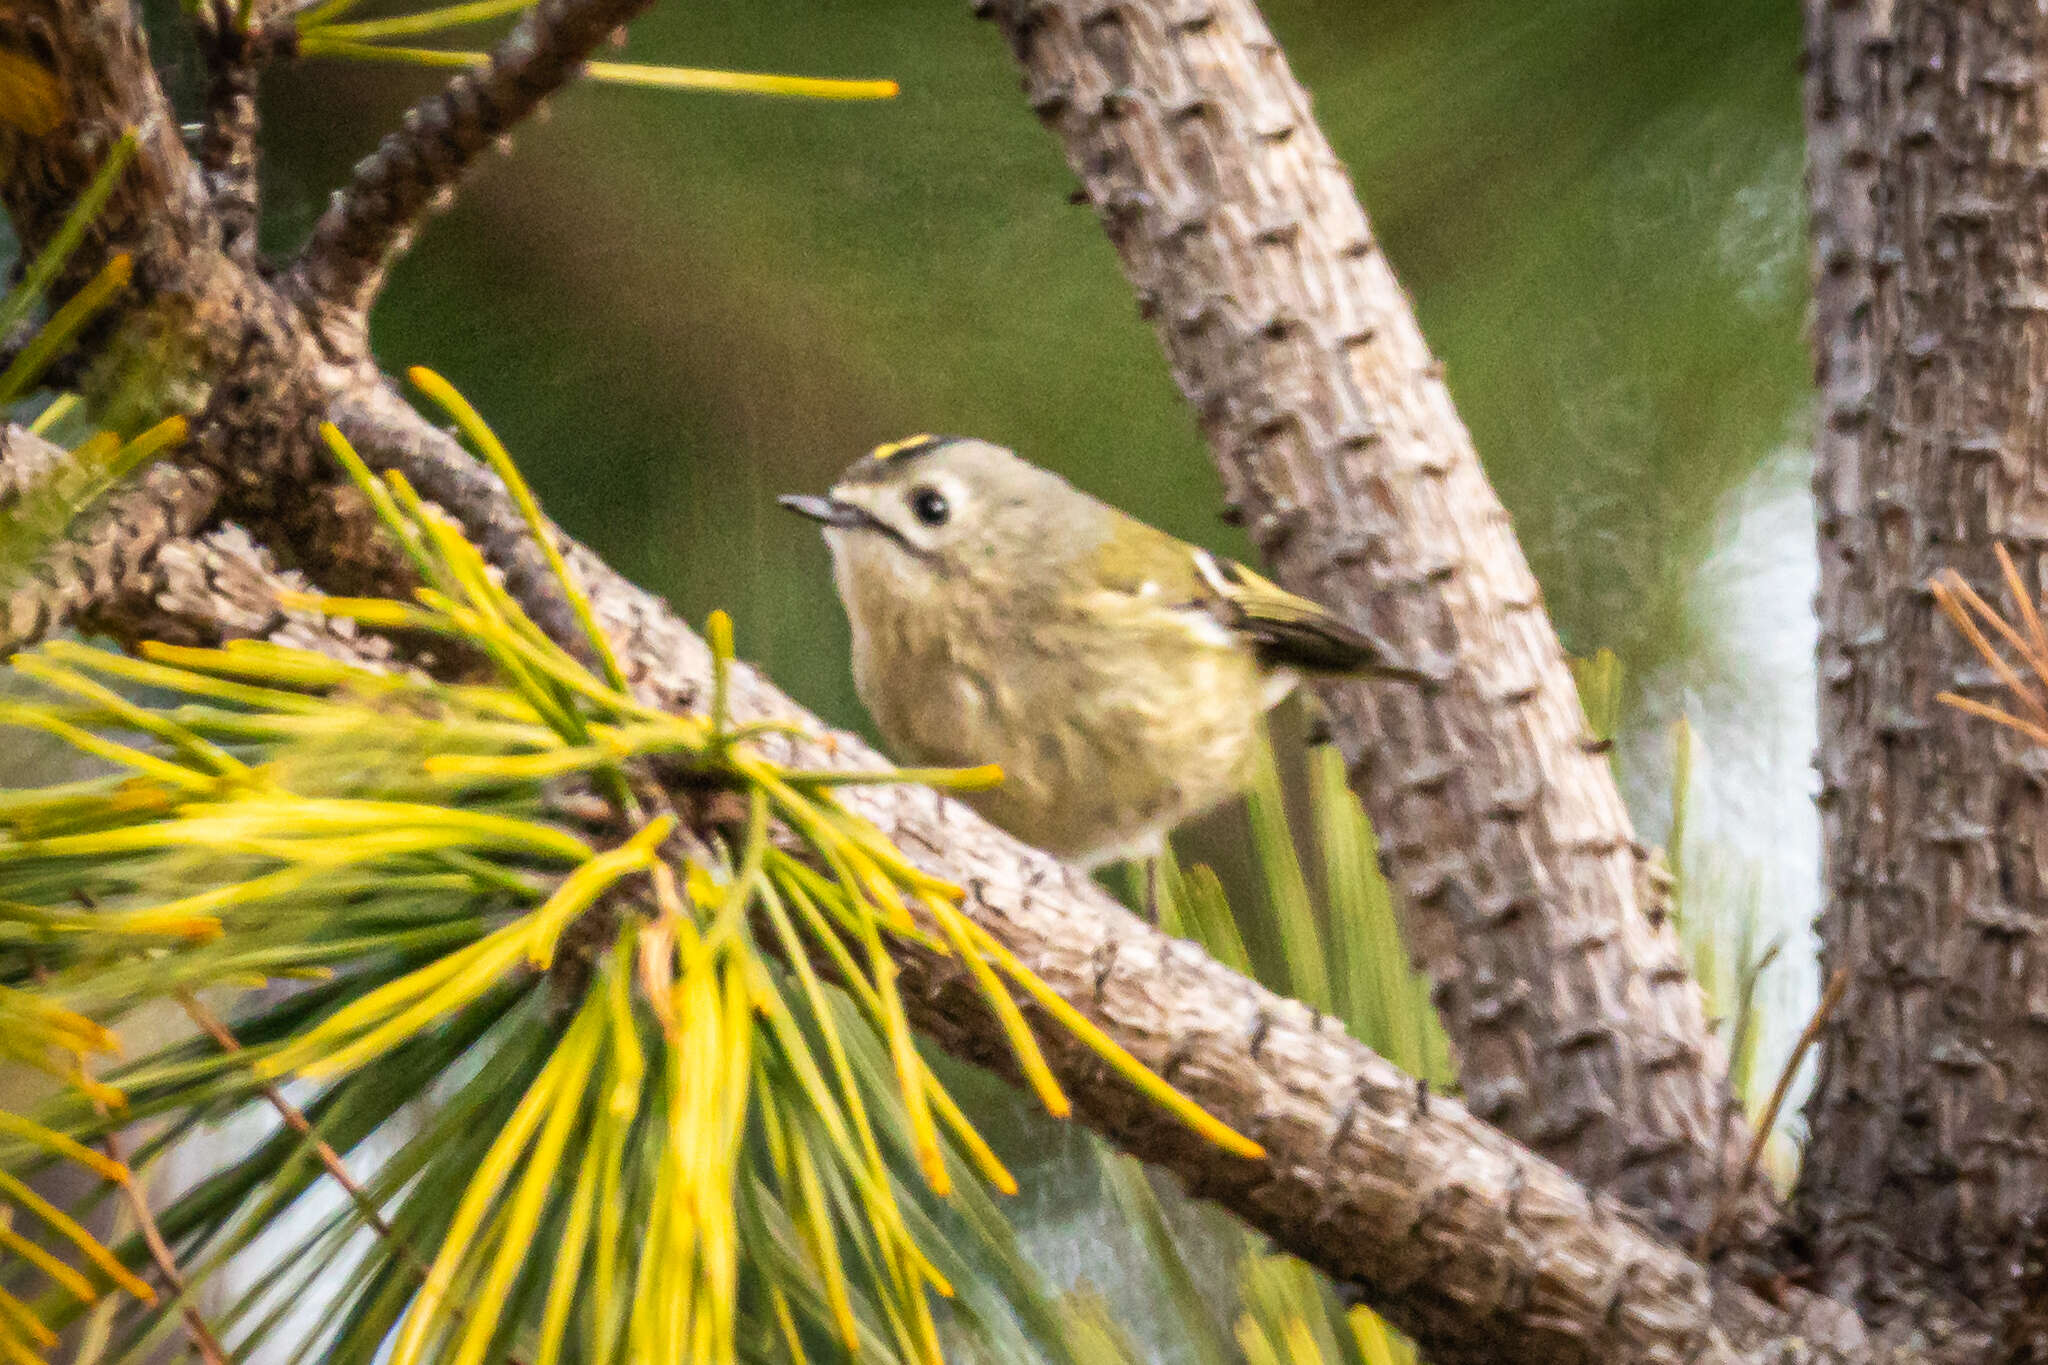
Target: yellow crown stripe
888	448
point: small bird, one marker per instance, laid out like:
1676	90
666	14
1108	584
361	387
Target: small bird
1117	675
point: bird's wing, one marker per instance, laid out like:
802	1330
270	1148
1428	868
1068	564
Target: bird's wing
1290	631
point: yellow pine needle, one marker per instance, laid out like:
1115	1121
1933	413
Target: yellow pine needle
821	1011
379	613
583	886
413	1001
484	1305
1253	1341
100	747
1030	1060
313	815
718	635
880	889
322	13
423	21
1121	1061
426	1312
814	1223
493	450
184	680
610	1135
568	1257
202	751
68	1228
811	824
24	1321
716	1227
65	324
56	253
979	1153
533	660
475	606
62	406
97	1091
924	1268
1376	1344
910	1072
868	1177
39	1021
267	663
740	82
785	1323
877	847
627	1063
976	779
59	1274
515	767
382	501
398	1009
57	1144
927	1329
468	576
319	43
156	923
150	443
899	1291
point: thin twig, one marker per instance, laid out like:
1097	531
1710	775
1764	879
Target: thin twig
236	48
373	220
296	1120
203	1339
1837	986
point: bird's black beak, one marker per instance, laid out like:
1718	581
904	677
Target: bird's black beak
828	511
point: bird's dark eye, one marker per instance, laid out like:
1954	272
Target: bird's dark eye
930	506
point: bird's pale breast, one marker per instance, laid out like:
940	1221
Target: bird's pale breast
1110	729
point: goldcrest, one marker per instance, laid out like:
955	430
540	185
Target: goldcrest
1116	674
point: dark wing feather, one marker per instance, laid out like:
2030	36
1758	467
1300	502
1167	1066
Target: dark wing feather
1293	632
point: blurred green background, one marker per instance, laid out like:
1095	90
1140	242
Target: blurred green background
675	306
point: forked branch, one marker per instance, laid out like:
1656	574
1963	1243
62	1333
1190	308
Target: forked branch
415	168
1578	1027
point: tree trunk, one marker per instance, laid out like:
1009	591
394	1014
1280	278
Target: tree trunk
1928	177
1577	1026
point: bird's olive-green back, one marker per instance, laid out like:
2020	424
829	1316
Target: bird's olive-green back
1023	534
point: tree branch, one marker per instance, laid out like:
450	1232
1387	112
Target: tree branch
1927	1167
111	557
228	151
412	172
1577	1026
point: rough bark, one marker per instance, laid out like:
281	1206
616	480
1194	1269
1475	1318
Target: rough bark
1929	189
236	50
1577	1026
